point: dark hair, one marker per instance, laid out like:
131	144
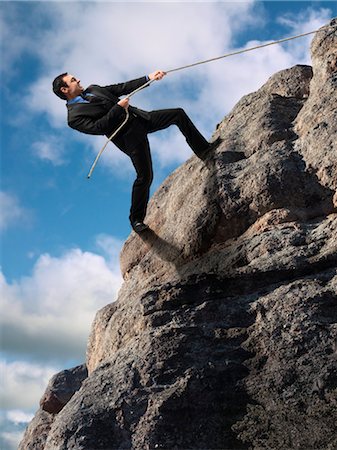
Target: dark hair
58	83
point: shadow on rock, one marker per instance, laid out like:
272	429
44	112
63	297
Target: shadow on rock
172	253
163	249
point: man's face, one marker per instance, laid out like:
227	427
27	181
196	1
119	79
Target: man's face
73	88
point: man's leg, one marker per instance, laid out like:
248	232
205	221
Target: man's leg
142	162
162	119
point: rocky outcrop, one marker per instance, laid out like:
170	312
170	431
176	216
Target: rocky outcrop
62	387
59	391
224	333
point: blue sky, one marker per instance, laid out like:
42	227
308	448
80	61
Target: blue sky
60	233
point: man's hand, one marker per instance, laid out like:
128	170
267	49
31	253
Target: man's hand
124	103
157	75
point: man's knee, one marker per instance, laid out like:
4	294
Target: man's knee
145	178
181	116
180	112
149	178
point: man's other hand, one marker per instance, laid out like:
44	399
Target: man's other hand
157	75
124	103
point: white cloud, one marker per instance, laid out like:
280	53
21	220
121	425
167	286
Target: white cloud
169	147
50	149
18	416
307	20
10	440
14	44
12	212
110	247
48	315
22	386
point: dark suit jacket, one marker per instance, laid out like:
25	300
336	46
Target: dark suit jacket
104	117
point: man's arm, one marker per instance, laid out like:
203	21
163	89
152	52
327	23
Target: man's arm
102	126
129	86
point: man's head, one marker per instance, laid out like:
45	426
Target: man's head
67	86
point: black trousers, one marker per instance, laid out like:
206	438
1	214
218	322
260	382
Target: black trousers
136	145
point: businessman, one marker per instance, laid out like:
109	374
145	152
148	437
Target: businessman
98	110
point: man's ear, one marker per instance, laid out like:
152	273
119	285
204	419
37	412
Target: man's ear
64	90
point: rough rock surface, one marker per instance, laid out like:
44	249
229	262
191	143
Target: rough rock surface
224	335
59	391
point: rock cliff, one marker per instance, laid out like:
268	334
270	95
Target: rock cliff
224	334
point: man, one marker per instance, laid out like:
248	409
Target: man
99	110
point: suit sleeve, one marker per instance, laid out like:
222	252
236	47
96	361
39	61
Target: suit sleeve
102	126
127	87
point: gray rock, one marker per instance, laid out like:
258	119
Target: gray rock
37	431
59	391
224	333
293	375
62	387
316	124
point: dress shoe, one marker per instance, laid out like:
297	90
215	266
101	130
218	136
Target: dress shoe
139	226
210	148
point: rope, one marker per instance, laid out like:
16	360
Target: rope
250	49
197	64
